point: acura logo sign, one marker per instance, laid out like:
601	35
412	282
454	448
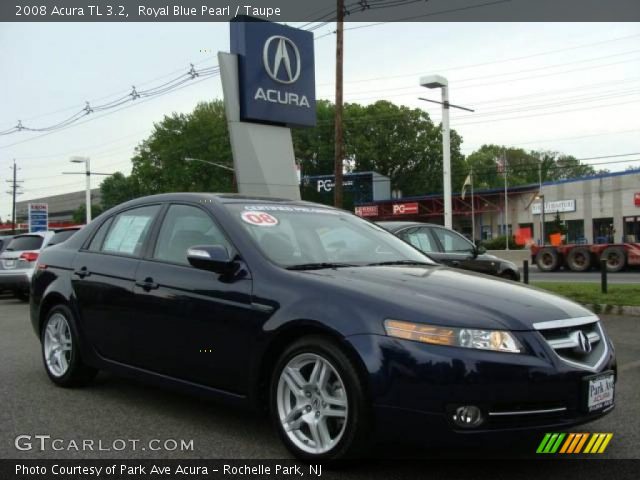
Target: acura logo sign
584	344
278	61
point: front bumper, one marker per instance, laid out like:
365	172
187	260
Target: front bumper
412	384
10	280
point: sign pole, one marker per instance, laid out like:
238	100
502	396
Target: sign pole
473	212
339	139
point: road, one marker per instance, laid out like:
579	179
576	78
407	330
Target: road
115	408
535	275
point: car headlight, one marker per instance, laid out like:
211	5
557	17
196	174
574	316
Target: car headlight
495	340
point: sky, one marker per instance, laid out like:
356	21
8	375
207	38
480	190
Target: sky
567	87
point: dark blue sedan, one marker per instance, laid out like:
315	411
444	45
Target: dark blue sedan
344	332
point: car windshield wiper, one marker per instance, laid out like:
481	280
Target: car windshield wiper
319	265
399	262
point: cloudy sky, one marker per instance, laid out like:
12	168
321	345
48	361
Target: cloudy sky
572	88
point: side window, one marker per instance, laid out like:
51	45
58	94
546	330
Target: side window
419	238
452	242
129	230
185	226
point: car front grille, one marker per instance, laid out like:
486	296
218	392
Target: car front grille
577	341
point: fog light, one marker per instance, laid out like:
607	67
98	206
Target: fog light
468	416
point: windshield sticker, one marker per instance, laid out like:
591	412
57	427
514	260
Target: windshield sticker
259	219
283	208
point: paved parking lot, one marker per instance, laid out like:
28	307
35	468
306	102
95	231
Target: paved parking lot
114	408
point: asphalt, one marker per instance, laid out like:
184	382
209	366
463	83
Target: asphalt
114	408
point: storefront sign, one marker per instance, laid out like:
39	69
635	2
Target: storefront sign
636	199
367	211
38	217
276	72
559	206
405	208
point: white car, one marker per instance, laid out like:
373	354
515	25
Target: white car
18	261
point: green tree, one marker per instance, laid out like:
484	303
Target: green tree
159	164
117	189
397	141
80	215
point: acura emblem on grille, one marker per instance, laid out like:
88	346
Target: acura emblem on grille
584	344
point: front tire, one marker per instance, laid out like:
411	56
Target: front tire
60	350
317	401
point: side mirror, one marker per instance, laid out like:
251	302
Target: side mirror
479	250
214	258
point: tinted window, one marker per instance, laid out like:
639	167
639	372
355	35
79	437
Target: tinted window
96	241
129	230
183	227
60	237
25	242
419	238
452	242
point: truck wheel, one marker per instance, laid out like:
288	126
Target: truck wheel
615	258
547	259
579	259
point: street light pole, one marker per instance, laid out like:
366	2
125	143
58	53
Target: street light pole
219	165
438	81
87	172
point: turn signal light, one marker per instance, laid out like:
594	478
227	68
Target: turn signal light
29	256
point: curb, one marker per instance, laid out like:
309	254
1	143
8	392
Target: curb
613	309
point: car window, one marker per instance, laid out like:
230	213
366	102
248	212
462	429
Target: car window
297	235
419	238
129	230
60	237
98	238
452	242
25	242
185	226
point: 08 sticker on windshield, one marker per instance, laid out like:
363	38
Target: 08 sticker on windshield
259	219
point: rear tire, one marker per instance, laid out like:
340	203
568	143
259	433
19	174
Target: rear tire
615	258
547	259
60	350
579	259
322	416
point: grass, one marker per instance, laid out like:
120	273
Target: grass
589	293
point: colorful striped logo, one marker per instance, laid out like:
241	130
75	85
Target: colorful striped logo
574	443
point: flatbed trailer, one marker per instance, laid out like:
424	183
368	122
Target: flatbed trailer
580	258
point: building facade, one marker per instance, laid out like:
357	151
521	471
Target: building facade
61	207
596	209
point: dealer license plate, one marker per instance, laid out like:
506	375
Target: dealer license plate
600	391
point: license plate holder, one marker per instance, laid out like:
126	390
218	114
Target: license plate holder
598	391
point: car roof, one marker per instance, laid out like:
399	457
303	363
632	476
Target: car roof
394	226
224	198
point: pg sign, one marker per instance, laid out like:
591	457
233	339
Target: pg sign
276	72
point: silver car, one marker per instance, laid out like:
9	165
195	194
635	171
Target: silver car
18	262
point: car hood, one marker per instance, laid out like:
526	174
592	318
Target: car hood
445	296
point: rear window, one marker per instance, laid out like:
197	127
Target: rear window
61	237
26	242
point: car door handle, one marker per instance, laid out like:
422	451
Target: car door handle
147	284
455	263
83	272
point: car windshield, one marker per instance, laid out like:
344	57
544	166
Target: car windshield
25	242
61	236
302	237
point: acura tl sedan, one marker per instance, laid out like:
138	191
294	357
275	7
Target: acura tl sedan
342	331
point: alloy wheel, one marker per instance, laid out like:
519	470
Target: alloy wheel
57	345
312	403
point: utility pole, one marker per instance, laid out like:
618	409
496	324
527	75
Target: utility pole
506	199
339	137
14	191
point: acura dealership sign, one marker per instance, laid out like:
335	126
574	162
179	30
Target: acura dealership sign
276	72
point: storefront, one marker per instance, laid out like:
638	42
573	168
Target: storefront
597	209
